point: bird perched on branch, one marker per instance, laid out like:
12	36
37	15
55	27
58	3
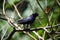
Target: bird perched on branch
28	20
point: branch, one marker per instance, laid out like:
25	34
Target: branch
43	11
53	26
57	33
32	29
38	35
17	11
31	7
40	6
10	35
39	28
20	16
14	25
3	18
51	7
31	36
58	2
19	2
19	29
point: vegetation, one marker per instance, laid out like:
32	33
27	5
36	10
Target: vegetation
45	27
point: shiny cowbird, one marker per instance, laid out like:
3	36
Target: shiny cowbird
28	20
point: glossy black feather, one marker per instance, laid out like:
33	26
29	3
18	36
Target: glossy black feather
28	20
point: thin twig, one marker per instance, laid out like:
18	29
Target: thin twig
21	18
40	5
44	34
58	2
3	7
31	7
3	18
11	22
51	7
33	29
9	19
57	33
10	35
19	2
43	11
48	19
38	35
31	36
41	28
17	11
17	26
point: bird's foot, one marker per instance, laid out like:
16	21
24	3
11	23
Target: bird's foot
26	29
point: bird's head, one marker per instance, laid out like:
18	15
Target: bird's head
35	14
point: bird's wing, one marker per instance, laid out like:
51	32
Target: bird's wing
30	18
27	19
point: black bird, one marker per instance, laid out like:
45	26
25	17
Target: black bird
28	20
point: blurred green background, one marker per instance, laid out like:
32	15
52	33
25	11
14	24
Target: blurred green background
41	21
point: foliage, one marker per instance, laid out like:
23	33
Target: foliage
46	17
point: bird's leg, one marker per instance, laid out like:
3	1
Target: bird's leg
29	26
24	26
